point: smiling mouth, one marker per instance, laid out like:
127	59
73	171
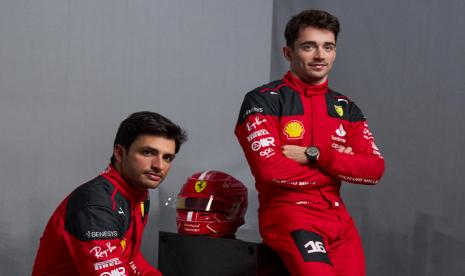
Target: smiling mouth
317	65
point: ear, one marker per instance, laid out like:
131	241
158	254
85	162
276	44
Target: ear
119	151
287	52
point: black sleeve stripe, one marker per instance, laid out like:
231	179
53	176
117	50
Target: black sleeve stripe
274	99
256	102
94	223
90	212
356	114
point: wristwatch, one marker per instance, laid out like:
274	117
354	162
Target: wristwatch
312	154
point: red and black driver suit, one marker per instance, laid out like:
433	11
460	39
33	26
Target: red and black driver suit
301	213
96	230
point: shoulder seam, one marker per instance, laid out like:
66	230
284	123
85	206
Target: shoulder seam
266	89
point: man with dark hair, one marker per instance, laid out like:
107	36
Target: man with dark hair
301	139
97	229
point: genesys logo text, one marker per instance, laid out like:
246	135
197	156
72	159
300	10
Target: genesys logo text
101	234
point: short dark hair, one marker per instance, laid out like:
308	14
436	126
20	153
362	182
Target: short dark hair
310	18
151	123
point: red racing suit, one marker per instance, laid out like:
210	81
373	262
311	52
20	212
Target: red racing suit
298	203
96	230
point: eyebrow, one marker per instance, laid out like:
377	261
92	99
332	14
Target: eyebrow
314	43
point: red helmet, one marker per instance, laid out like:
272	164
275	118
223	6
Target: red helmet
211	203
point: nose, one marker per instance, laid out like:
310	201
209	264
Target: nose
157	163
318	53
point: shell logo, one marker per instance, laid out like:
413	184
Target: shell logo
294	130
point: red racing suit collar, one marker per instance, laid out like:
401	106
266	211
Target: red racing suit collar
303	88
129	191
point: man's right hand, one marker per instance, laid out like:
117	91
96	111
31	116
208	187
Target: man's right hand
343	149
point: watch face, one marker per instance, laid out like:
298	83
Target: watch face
312	153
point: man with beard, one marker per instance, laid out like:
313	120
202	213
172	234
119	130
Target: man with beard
301	139
97	229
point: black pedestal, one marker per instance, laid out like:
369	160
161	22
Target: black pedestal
180	255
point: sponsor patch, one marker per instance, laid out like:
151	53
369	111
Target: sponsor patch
120	271
357	179
256	134
105	264
366	132
339	110
373	145
120	211
251	111
142	210
335	146
101	234
338	139
375	148
294	129
267	153
253	125
200	185
311	246
295	183
263	143
123	244
341	131
134	267
98	252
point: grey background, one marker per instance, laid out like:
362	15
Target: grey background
70	71
403	63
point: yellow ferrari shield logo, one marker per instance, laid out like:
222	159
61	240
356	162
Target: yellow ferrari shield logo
123	244
142	209
339	110
200	185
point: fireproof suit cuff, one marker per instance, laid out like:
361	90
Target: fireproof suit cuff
324	160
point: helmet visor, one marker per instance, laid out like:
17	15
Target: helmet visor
208	204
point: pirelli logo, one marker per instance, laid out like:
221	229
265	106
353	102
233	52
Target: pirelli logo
105	264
